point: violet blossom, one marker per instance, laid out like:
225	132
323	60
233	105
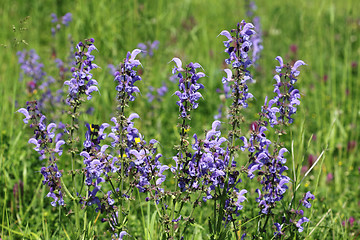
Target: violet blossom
82	82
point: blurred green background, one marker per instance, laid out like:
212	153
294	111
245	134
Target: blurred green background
325	33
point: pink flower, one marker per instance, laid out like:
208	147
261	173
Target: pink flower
329	177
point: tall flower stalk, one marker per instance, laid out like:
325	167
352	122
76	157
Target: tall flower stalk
238	46
49	148
270	165
80	84
188	95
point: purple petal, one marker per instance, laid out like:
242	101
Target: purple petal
282	151
215	124
91	89
135	153
49	128
226	34
102	128
297	64
132	116
33	141
134	53
177	62
197	65
162	169
103	148
200	74
229	74
58	145
85	154
142	46
122	234
277	78
91	48
280	61
26	113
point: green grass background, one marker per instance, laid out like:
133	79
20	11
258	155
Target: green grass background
327	36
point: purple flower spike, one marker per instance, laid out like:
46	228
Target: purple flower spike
188	87
43	140
82	82
133	116
126	77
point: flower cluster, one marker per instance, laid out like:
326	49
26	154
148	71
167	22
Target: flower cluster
238	46
271	167
32	68
156	93
126	78
203	164
213	164
43	134
40	82
44	137
82	81
52	179
124	133
147	169
98	166
256	39
64	20
188	86
296	216
94	135
148	47
287	98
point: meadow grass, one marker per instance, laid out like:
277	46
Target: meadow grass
326	34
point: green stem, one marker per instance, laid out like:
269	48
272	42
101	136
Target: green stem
192	211
235	228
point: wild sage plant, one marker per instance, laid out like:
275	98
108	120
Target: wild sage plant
119	163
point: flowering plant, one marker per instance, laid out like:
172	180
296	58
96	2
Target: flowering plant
116	164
